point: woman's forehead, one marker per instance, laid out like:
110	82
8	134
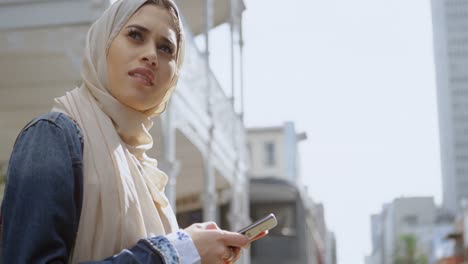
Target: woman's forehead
155	18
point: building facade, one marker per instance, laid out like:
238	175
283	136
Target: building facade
276	187
450	28
377	228
409	216
274	152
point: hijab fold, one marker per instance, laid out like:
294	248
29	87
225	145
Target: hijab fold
123	189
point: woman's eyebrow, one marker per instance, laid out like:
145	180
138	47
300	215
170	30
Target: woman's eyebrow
138	27
145	30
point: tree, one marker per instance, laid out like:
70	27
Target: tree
407	251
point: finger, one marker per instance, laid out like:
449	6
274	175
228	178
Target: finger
233	260
236	250
210	226
237	254
234	239
229	255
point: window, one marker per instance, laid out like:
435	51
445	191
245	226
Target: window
460	171
269	154
461	158
411	220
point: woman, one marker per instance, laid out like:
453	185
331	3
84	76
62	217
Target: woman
80	186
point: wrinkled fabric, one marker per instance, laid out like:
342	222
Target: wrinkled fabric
124	198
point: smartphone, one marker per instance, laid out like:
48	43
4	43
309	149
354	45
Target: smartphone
266	223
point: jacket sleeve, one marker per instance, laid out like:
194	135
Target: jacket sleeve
38	212
39	216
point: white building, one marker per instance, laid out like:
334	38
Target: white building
200	141
414	216
274	152
450	26
372	259
443	247
330	257
377	228
276	186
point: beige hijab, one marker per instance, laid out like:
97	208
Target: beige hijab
123	189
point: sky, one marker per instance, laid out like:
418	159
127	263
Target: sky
358	77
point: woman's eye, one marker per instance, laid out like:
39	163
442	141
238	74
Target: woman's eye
166	49
134	34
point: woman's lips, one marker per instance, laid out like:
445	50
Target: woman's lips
142	75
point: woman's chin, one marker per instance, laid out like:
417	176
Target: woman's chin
141	106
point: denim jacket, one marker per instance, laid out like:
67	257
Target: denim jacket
43	197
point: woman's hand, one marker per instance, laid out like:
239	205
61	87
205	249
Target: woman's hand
216	246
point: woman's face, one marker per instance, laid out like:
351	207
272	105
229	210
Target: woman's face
141	61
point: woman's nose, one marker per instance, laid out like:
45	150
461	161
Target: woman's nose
151	58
